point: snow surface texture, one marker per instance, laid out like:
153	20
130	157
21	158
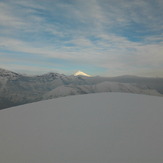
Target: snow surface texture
94	128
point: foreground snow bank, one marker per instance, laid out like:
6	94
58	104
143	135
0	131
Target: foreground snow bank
94	128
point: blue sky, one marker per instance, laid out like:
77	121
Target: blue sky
99	37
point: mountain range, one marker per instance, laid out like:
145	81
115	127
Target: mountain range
17	89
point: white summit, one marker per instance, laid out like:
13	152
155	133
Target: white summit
80	73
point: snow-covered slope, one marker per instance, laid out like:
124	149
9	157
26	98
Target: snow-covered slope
96	128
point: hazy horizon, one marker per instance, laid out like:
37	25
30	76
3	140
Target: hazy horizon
73	72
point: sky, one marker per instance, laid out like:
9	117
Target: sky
99	37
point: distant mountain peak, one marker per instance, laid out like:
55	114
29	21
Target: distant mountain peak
80	73
8	74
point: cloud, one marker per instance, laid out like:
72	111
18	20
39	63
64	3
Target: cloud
119	37
7	19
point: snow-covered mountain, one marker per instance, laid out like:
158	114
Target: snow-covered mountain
80	73
16	89
95	128
5	74
106	86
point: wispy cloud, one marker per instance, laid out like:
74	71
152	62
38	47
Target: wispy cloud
118	38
